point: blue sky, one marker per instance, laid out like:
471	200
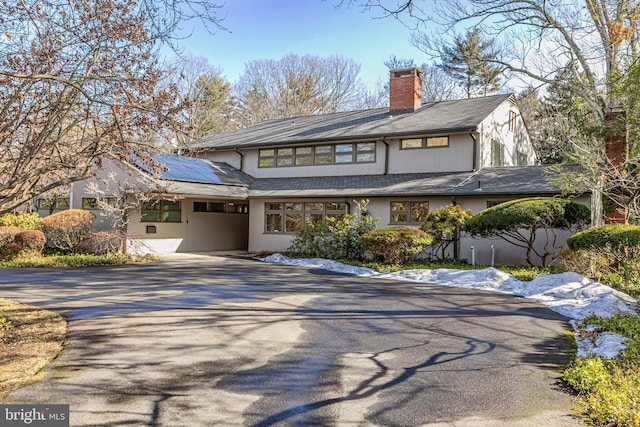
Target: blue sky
271	29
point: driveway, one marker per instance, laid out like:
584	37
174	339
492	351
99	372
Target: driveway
230	341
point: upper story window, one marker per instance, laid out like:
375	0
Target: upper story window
522	159
429	142
512	121
409	213
162	211
58	204
497	153
330	154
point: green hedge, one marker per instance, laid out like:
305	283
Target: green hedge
606	236
395	245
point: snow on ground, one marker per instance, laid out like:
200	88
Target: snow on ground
569	294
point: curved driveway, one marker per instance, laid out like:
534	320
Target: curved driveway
230	341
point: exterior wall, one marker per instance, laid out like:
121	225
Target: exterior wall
504	253
197	232
496	127
457	157
230	157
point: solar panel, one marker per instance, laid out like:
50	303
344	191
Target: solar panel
185	169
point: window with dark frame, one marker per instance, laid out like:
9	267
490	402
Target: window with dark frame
162	211
59	204
497	153
512	121
289	217
331	154
409	213
94	203
428	142
522	160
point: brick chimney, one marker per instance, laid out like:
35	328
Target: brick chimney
405	91
616	151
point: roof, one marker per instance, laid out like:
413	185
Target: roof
432	118
522	180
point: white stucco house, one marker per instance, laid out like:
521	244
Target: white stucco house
251	189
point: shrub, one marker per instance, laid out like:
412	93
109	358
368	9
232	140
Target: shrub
608	253
23	220
615	236
444	224
338	238
395	245
8	246
31	242
518	222
65	230
101	243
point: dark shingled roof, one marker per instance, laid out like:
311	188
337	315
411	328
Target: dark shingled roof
525	180
435	117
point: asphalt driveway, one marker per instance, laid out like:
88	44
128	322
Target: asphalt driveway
230	341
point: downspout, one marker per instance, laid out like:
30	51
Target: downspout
241	159
386	156
474	161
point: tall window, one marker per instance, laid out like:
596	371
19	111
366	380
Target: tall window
409	213
162	211
512	121
289	217
522	160
497	153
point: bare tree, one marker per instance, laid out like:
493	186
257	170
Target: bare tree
124	185
79	79
297	86
207	93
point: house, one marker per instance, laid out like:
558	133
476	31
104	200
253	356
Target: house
254	188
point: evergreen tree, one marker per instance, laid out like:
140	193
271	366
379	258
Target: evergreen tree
469	62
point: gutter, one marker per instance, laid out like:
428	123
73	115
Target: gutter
474	161
386	156
237	150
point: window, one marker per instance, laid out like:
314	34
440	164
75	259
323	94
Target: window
162	211
407	144
362	152
267	158
365	152
284	157
522	160
430	142
274	216
409	212
438	141
93	203
59	204
512	121
344	153
497	153
304	156
209	207
323	155
289	217
235	207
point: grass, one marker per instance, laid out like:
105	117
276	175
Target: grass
74	260
30	339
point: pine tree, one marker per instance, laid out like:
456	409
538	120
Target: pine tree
469	62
